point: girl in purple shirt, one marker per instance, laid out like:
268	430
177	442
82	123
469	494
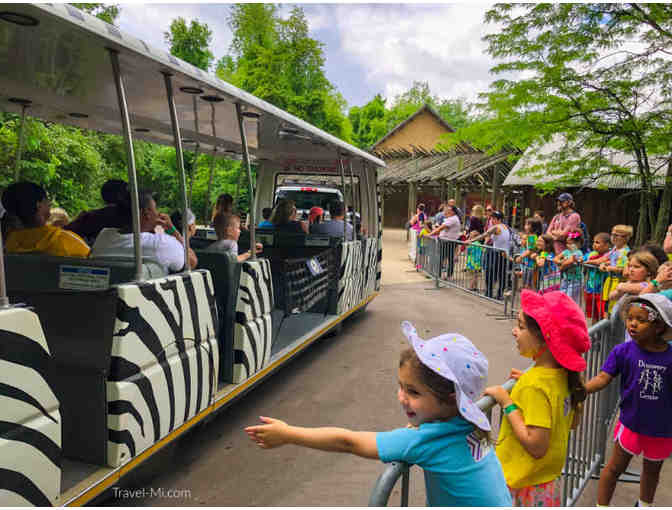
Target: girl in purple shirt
645	366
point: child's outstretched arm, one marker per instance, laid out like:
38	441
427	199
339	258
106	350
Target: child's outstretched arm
332	439
599	382
535	440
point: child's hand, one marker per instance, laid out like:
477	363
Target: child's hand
515	374
603	266
268	436
518	259
499	394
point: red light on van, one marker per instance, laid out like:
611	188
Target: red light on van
308	189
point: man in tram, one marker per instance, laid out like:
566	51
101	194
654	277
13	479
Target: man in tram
28	202
334	227
167	247
117	204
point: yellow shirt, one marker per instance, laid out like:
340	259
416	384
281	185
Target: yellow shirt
542	394
47	239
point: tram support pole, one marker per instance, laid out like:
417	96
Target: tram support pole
132	176
345	205
246	161
354	202
179	156
212	167
19	148
365	176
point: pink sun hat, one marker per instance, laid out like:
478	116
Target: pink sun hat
455	358
562	324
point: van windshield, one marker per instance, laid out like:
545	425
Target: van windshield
307	199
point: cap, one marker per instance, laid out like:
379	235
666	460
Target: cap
565	197
454	357
658	302
314	212
498	215
563	325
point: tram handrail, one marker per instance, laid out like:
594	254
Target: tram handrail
388	478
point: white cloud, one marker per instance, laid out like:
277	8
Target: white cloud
397	44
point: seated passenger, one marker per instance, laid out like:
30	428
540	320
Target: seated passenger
266	213
315	216
166	247
224	205
29	203
117	204
334	227
284	218
176	218
58	217
227	227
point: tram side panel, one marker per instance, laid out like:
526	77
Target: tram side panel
380	236
253	331
30	419
164	363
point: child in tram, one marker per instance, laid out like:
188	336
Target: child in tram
439	380
227	227
645	367
547	400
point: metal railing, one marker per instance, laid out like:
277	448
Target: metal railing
587	445
495	275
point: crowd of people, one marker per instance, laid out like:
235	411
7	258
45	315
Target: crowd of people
545	257
31	225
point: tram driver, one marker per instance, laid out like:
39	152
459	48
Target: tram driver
166	248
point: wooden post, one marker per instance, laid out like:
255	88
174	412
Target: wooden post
442	194
494	187
483	194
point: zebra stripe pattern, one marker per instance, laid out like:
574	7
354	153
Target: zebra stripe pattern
253	331
350	276
370	267
165	360
30	421
380	236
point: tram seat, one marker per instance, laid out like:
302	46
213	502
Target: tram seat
78	325
225	271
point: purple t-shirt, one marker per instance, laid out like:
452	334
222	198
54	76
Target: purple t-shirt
646	388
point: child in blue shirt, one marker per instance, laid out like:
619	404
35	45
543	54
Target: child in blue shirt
570	263
439	381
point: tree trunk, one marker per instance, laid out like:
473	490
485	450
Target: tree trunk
664	208
642	224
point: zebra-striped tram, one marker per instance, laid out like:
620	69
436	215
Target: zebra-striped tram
104	361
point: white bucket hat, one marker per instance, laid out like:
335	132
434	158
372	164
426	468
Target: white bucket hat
454	357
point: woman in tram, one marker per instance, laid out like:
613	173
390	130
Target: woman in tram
224	205
284	218
29	203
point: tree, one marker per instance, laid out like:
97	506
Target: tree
594	76
369	122
106	12
276	59
191	44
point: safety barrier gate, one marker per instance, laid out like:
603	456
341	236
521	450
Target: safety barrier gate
587	443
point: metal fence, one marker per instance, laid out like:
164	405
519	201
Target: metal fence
587	443
497	276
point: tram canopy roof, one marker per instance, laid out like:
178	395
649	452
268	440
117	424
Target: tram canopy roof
56	56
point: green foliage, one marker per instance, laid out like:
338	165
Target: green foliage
594	77
276	60
190	43
373	120
106	12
